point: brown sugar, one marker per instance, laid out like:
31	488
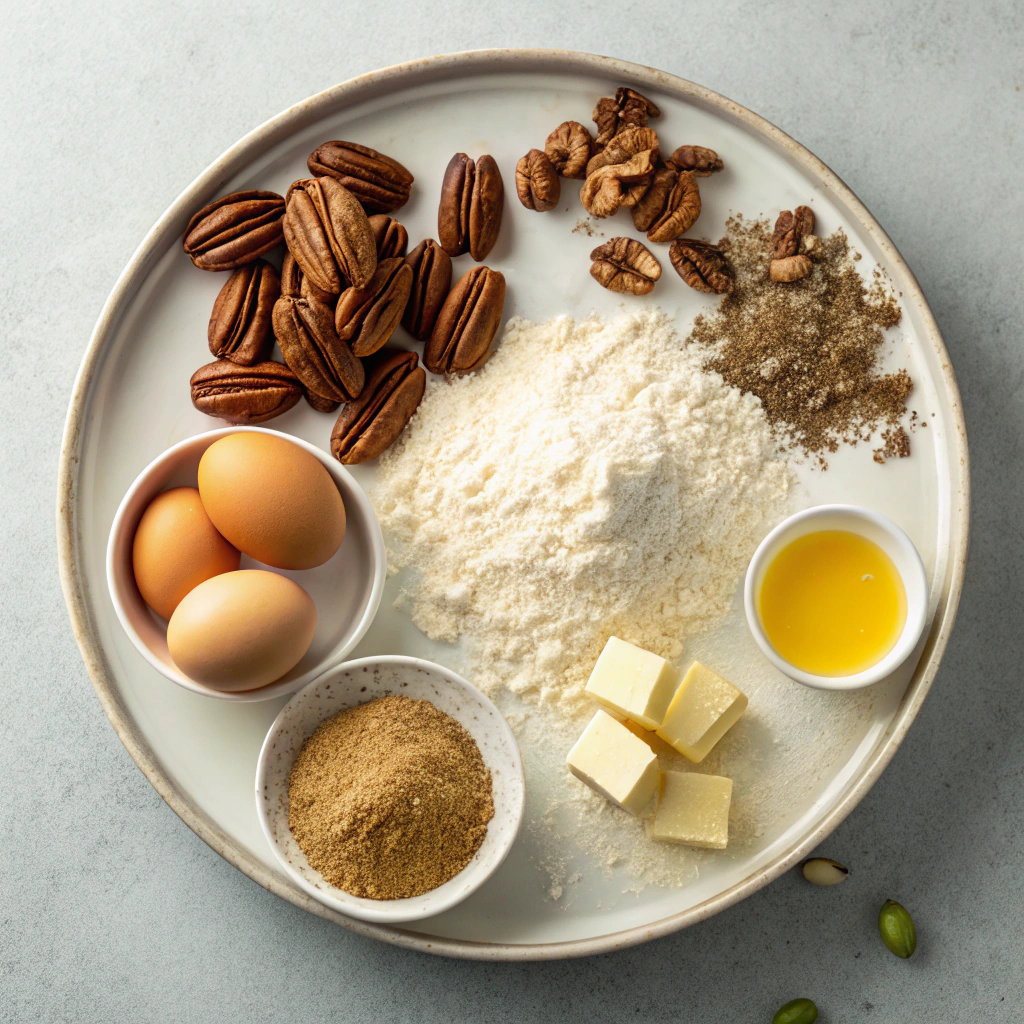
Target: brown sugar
389	799
808	349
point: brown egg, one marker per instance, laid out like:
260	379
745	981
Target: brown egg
272	499
176	548
241	630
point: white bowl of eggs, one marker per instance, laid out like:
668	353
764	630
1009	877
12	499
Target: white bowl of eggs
243	562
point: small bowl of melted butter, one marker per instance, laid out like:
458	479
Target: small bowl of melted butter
836	597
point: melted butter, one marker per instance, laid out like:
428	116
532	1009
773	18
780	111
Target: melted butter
832	603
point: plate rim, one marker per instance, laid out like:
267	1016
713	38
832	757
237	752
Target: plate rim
403	75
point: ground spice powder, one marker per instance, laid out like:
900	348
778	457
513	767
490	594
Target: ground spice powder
808	349
389	799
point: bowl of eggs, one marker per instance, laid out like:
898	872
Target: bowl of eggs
243	562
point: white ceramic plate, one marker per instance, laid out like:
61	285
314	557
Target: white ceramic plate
131	402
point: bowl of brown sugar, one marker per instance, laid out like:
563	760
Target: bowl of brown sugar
390	789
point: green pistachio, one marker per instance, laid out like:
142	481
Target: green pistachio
823	871
796	1011
897	929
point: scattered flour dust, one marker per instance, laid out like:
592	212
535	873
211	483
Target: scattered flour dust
589	480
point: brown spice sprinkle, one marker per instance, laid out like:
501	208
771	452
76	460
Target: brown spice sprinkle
809	349
895	445
389	799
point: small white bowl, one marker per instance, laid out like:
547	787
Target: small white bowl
891	539
356	683
346	589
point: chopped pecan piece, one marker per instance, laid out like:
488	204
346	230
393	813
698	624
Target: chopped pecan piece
617	185
652	205
682	208
537	183
701	265
625	265
699	159
791	228
568	148
625	145
789	269
627	108
634	107
812	245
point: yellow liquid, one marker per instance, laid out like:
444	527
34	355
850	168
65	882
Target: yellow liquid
832	603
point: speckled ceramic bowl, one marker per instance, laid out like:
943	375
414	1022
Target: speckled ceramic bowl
355	683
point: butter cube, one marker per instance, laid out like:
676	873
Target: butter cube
693	810
619	765
704	709
632	682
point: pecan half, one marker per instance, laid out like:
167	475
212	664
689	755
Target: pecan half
469	215
370	425
568	148
378	182
537	183
392	239
244	394
626	144
234	230
682	208
329	235
467	323
453	210
699	159
789	269
617	185
295	283
312	349
366	318
701	265
431	282
627	108
791	228
652	204
625	265
239	327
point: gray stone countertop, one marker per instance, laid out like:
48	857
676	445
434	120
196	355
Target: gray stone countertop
111	909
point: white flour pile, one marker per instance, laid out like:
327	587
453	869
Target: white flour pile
589	480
